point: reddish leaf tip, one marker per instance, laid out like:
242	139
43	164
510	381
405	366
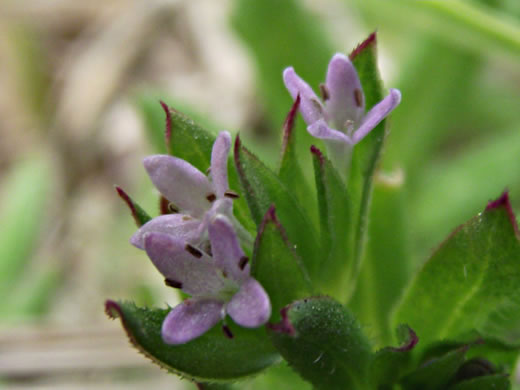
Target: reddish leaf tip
129	202
288	125
112	309
370	41
284	326
318	153
271	217
504	202
168	129
410	343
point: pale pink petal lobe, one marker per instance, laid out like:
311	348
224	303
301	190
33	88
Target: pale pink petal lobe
180	183
377	114
250	306
310	105
180	226
190	319
219	159
320	129
179	262
225	248
346	100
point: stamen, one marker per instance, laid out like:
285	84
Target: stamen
325	94
211	198
172	208
172	283
186	218
164	205
231	194
243	262
349	127
358	97
317	105
193	251
227	331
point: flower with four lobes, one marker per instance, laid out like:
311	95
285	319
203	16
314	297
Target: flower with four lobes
195	198
219	284
340	120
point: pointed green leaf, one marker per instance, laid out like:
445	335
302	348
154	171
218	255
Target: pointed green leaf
337	230
140	216
366	154
263	188
187	140
323	342
437	373
471	283
390	363
490	382
277	266
290	172
211	357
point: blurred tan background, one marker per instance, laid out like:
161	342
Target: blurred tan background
71	76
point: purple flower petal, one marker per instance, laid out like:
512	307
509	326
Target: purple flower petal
226	250
320	129
180	183
346	101
180	226
193	270
310	106
377	114
190	319
250	306
219	159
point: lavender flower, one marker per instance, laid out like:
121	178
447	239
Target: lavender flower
340	120
196	198
219	285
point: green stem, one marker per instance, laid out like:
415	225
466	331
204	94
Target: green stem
496	27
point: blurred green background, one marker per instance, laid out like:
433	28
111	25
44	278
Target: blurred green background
79	109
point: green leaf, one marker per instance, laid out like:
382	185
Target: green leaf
490	382
263	188
337	230
290	171
140	216
367	153
471	283
322	341
390	363
437	373
211	357
187	140
25	195
276	266
386	267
